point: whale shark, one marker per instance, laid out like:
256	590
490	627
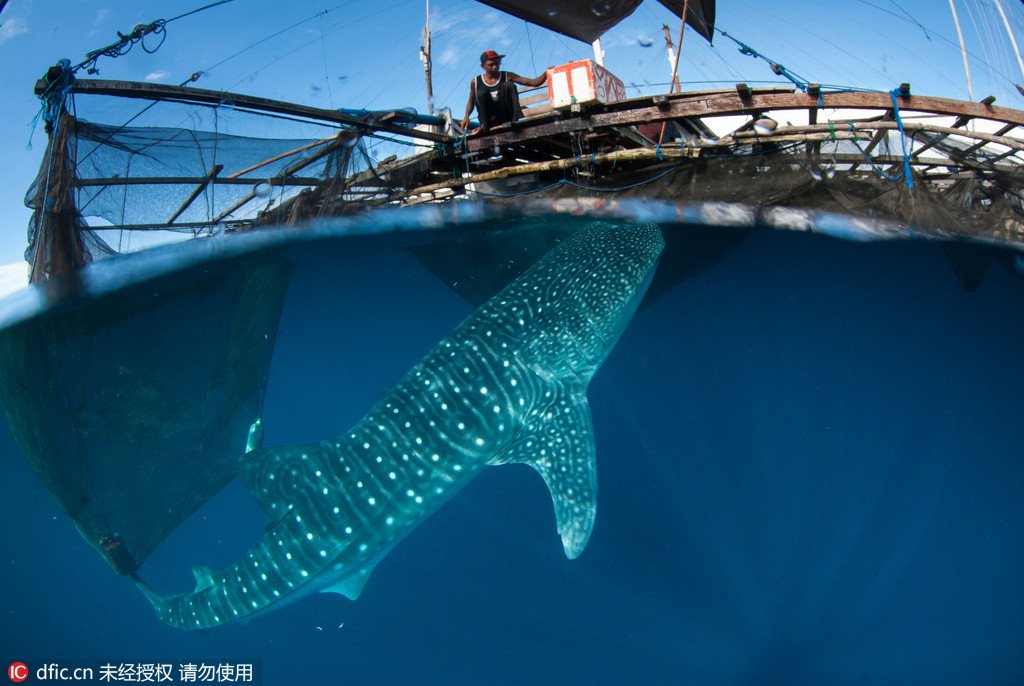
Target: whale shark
508	385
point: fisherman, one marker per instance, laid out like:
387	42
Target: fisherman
494	93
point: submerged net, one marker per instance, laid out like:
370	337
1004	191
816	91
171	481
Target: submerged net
130	421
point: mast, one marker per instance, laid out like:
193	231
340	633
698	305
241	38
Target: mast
598	52
676	88
963	50
675	62
682	28
1013	41
425	56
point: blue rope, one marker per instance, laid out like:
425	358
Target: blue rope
903	137
54	96
777	68
867	156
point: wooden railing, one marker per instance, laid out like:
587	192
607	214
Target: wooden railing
534	101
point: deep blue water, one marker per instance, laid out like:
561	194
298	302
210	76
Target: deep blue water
811	470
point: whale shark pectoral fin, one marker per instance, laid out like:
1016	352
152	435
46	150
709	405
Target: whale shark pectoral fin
558	441
204	577
352	585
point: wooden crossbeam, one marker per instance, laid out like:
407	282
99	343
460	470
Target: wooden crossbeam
185	94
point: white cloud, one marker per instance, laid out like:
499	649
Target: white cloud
449	56
11	27
472	31
157	75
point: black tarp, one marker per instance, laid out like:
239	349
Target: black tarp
587	20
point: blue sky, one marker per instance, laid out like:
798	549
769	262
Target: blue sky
364	53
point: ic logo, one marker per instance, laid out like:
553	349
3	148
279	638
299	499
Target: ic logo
18	672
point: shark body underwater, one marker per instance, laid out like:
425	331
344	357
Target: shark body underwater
507	385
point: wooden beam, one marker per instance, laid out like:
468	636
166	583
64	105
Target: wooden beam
159	91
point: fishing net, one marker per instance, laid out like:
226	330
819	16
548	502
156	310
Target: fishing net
105	189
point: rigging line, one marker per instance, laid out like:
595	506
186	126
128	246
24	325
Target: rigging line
308	43
985	40
817	58
940	36
988	41
200	9
1009	34
327	75
529	42
911	18
276	34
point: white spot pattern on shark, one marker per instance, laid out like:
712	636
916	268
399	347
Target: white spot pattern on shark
507	385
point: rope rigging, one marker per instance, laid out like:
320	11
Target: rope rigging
125	42
780	70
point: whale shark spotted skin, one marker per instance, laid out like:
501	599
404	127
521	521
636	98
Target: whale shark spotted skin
507	385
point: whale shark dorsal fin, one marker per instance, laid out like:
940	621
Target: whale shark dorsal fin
204	577
558	441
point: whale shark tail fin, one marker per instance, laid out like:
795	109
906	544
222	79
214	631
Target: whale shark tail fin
558	441
152	596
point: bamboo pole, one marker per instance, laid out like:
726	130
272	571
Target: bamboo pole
217	168
675	88
276	158
425	56
963	50
301	164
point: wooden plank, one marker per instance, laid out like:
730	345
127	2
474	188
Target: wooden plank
159	91
721	104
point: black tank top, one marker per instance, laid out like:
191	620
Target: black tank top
497	104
